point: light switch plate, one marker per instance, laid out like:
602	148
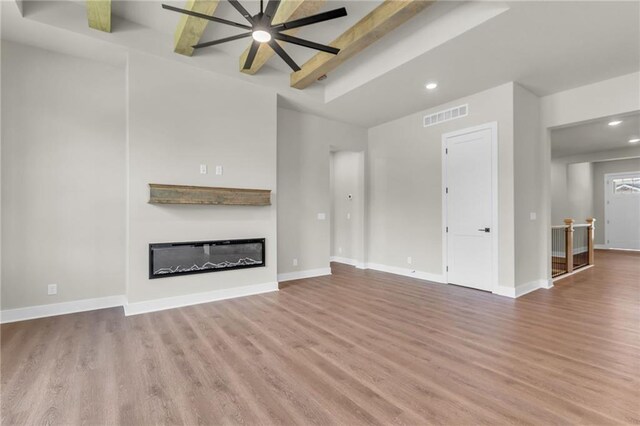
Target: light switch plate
203	169
52	289
322	216
219	170
295	262
532	216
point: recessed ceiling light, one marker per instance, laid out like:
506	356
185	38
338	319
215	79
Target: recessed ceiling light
615	122
431	86
634	140
261	36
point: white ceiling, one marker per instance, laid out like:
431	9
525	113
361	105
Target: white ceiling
595	136
546	46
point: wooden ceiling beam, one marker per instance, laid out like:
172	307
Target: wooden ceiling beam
99	15
379	22
287	11
190	28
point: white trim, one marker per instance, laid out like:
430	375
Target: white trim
584	268
347	261
427	276
607	194
344	260
197	298
54	309
495	226
298	275
522	289
604	247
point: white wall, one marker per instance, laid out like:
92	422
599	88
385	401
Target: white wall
81	143
529	158
63	177
304	190
404	170
559	203
580	191
572	192
347	218
602	99
181	117
599	171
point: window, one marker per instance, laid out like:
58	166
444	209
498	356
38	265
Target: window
624	186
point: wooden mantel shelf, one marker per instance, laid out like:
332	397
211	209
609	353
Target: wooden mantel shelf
180	194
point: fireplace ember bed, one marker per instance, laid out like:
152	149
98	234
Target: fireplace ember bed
171	259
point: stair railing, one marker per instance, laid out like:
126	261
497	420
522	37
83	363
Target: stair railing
572	246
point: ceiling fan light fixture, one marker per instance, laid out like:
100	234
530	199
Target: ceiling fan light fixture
261	36
262	30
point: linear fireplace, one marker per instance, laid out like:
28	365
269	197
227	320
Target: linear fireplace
170	259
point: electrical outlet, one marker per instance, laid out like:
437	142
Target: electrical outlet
219	170
532	216
52	289
340	250
409	260
203	169
348	216
295	262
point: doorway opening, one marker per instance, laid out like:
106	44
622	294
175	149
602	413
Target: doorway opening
347	208
595	190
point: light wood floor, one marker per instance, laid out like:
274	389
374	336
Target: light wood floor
357	347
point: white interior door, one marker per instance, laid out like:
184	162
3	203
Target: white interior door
622	210
470	208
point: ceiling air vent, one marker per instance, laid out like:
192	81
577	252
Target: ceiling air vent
446	115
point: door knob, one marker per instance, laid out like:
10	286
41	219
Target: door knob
484	229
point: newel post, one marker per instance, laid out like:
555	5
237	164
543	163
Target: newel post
569	243
592	235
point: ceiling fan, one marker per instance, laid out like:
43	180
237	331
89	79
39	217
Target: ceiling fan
263	31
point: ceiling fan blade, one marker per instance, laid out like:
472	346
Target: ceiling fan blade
251	55
272	8
280	51
242	10
313	19
306	43
207	17
222	40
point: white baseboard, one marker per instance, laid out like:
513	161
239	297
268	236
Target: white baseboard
605	247
347	261
197	298
437	278
298	275
54	309
522	289
344	260
546	284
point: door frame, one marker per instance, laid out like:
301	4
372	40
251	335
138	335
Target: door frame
607	194
493	127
